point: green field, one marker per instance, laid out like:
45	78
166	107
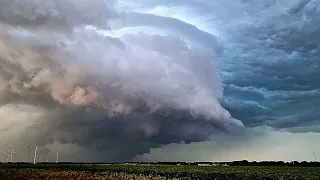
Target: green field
83	171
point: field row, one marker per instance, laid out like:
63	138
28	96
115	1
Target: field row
53	171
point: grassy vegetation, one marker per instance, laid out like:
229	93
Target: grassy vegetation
53	171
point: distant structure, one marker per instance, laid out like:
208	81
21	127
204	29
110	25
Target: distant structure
57	159
35	155
315	157
29	159
48	157
6	157
11	154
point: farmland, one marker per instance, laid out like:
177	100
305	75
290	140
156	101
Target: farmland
87	171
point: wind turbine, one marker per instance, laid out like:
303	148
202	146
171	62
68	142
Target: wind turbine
315	157
5	157
35	155
11	152
48	157
57	156
29	153
8	155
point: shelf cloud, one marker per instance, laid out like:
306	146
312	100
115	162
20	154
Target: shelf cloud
67	83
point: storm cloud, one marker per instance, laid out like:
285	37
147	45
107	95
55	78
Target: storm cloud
66	82
269	67
123	78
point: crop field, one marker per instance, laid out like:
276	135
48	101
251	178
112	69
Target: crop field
156	172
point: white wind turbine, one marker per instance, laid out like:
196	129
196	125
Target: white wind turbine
29	157
35	155
57	158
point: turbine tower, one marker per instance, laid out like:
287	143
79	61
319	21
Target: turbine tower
5	157
29	153
11	152
57	156
48	157
315	157
35	155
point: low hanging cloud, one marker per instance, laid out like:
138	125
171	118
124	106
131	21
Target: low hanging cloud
66	86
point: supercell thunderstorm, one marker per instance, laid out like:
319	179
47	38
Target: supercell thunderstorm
119	96
112	79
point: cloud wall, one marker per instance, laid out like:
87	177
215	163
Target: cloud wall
65	85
